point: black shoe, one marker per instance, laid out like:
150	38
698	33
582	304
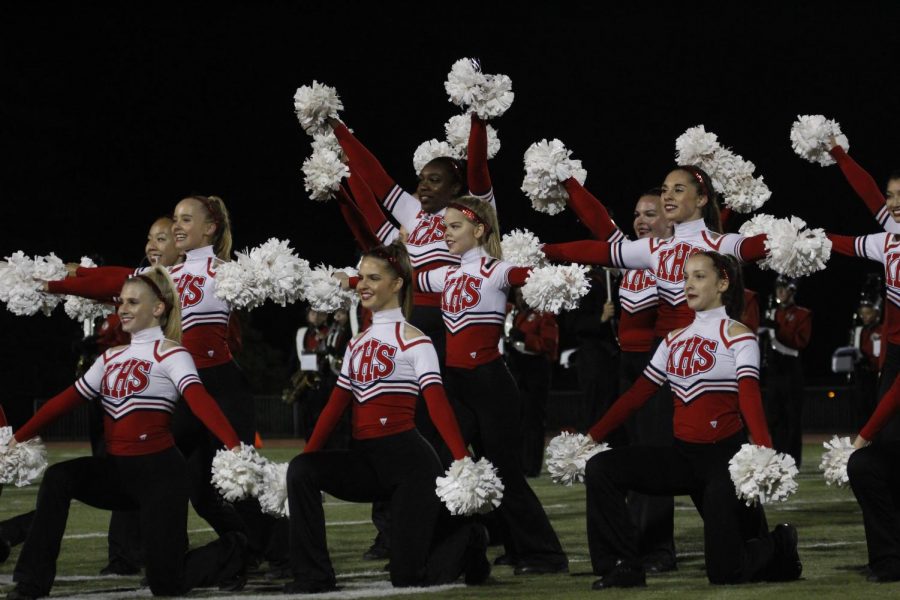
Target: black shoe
883	576
660	566
622	576
477	567
308	587
120	567
15	594
233	572
4	550
278	573
541	569
786	565
376	552
505	560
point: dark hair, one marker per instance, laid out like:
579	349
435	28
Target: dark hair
397	259
456	169
895	174
727	267
654	191
704	186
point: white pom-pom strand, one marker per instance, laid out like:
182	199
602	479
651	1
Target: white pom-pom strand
555	288
568	453
22	464
811	138
237	474
695	146
791	249
83	309
465	82
271	271
314	104
834	461
323	291
470	487
322	173
272	496
430	150
760	475
457	132
22	279
547	165
522	248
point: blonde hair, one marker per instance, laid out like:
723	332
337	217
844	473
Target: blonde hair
170	320
217	213
488	217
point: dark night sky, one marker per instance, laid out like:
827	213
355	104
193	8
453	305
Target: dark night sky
109	115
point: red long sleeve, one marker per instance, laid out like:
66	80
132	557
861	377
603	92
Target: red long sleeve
103	286
3	422
750	404
54	408
753	248
518	275
860	180
208	411
887	408
368	205
636	396
842	244
331	414
479	178
110	271
445	420
365	237
586	252
590	211
364	162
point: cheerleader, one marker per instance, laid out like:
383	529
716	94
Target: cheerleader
383	372
867	189
713	367
473	302
139	386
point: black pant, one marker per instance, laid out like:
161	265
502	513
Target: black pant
532	374
874	474
653	515
865	393
156	485
784	404
737	545
489	415
399	468
889	372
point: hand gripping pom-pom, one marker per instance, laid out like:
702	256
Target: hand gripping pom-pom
322	173
270	271
22	464
273	489
567	456
457	130
83	309
469	487
237	474
522	248
760	475
547	165
314	104
430	150
555	288
834	460
21	281
324	293
791	249
811	138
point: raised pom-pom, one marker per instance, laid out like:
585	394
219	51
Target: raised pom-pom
496	98
834	460
567	455
237	474
695	145
470	487
465	82
430	150
811	138
83	309
555	288
314	104
323	172
324	293
271	271
547	165
760	475
522	248
22	464
791	249
457	131
21	281
273	498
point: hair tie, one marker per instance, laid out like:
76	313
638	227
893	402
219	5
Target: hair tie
471	215
696	173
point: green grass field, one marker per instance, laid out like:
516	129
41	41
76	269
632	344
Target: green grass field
832	548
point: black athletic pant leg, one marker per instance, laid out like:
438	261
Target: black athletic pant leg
874	474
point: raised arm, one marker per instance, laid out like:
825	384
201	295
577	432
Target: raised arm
477	173
863	184
591	212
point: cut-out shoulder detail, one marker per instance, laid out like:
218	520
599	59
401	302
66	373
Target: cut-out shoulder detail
359	335
116	349
736	328
167	345
676	332
411	332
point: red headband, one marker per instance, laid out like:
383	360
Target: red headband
212	208
471	215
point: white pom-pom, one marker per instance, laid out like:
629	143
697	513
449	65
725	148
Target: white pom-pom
556	287
273	497
24	463
762	475
465	82
457	130
547	165
522	248
326	140
83	309
791	250
496	98
430	150
323	292
22	279
468	487
271	271
314	104
322	173
834	460
237	475
811	137
695	145
567	455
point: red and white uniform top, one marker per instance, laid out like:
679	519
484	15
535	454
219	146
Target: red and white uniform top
866	188
204	317
714	378
138	386
473	304
639	300
382	374
884	248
